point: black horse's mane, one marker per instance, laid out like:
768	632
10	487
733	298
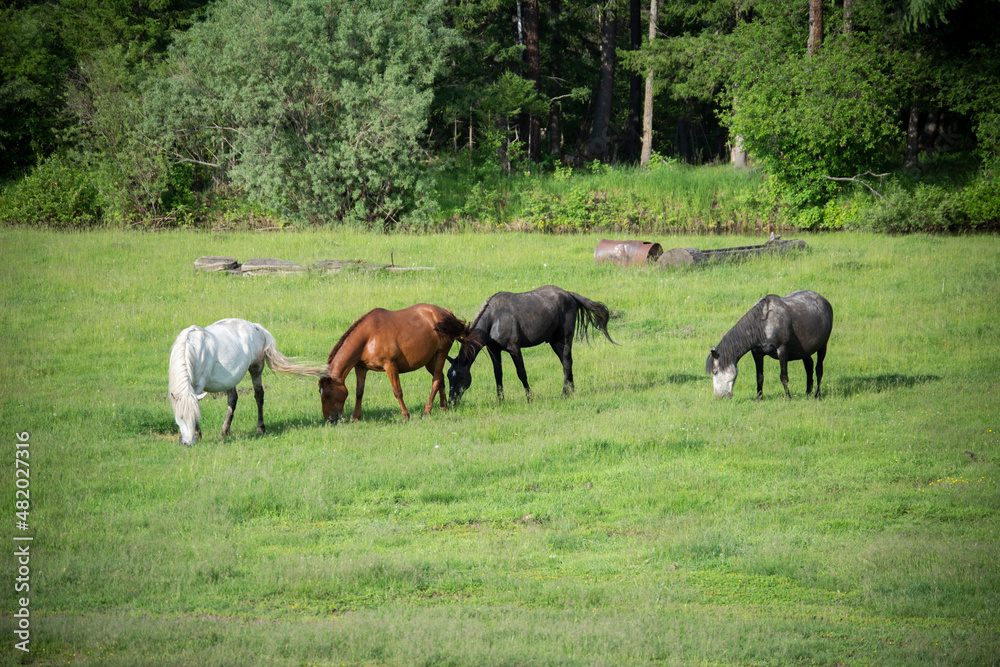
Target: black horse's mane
482	309
744	335
350	330
472	345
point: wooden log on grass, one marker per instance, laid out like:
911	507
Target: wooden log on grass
337	265
682	256
259	265
214	263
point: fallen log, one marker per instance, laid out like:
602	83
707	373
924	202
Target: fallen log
214	263
272	266
337	265
682	256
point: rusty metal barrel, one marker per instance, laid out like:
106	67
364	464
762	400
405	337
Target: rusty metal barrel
627	252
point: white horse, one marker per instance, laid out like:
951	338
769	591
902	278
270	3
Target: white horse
215	358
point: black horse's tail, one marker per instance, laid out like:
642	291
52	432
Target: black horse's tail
591	314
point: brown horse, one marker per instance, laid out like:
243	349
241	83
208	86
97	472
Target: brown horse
395	342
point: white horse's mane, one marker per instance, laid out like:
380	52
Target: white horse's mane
187	412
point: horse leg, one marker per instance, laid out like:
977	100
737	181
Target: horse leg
438	374
360	374
758	362
233	397
820	355
808	363
522	375
565	353
784	376
397	388
497	371
258	394
437	386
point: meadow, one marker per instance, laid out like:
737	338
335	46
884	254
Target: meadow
639	521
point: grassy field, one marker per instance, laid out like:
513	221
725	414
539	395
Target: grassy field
640	521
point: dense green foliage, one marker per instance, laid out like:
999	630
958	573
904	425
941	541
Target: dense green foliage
809	117
315	108
181	112
639	521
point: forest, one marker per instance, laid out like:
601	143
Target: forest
410	114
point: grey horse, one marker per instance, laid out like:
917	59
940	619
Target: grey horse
784	328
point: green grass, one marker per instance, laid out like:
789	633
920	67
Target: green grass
673	197
639	521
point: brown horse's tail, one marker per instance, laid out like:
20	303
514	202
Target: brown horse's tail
591	314
457	329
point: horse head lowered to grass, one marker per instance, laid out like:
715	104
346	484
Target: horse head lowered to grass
395	342
784	328
508	322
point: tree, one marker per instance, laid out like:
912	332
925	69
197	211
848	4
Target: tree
33	62
632	139
815	26
647	110
530	123
597	145
315	108
805	115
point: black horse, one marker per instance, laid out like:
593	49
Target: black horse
509	322
786	329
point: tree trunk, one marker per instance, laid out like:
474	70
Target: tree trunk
681	136
815	26
647	108
738	156
848	16
531	126
555	60
911	160
633	138
597	147
931	130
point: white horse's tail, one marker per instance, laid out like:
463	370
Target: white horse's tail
187	412
279	363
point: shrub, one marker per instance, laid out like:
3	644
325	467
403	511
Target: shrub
980	202
927	208
52	194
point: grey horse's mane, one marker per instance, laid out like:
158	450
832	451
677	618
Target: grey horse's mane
744	335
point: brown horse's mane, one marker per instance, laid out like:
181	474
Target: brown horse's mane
453	327
350	330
